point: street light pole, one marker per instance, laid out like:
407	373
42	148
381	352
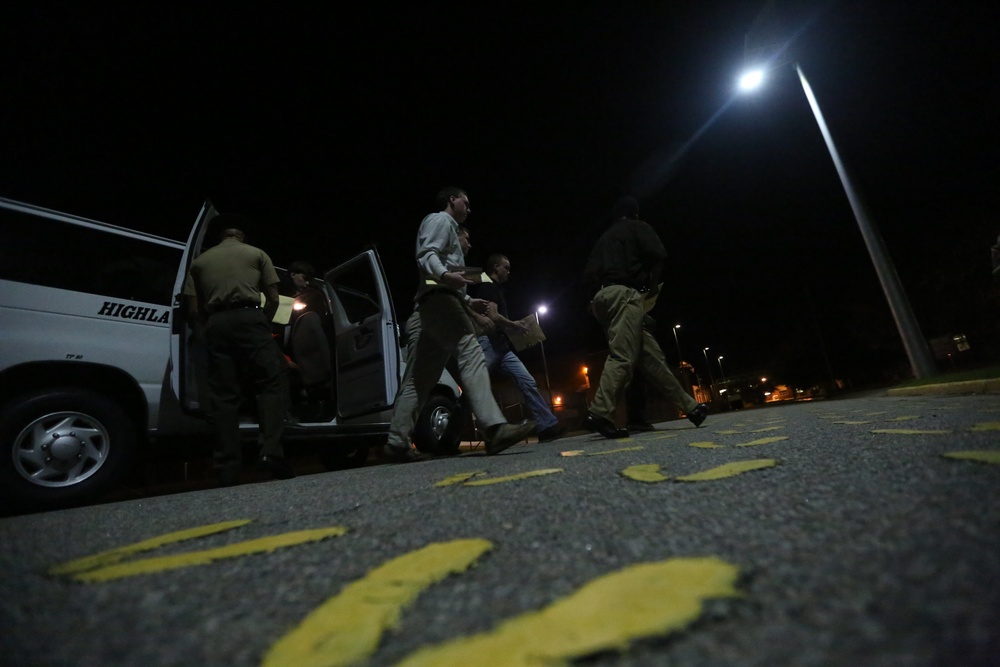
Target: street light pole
678	343
722	372
921	362
541	310
711	380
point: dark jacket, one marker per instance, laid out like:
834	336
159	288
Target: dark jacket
629	253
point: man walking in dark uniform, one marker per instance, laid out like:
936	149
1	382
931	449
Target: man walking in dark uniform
223	288
625	266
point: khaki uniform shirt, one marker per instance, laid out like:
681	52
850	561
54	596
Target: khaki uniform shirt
229	273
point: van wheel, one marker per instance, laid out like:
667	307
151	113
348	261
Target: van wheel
62	447
341	458
439	426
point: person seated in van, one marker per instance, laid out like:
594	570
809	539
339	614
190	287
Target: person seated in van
308	343
307	296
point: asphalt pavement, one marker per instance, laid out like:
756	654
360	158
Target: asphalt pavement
862	531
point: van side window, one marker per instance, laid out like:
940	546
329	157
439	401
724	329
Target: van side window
354	290
53	253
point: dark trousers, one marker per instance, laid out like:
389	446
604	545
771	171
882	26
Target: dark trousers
240	346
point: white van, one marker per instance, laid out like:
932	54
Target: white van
98	360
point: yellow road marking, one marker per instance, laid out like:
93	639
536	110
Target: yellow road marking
985	426
729	431
118	554
163	563
763	441
512	478
616	451
346	629
904	418
846	421
729	470
645	600
908	431
648	472
704	445
982	456
580	452
459	478
663	437
769	428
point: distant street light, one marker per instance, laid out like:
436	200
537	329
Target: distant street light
722	372
678	343
921	363
541	310
711	380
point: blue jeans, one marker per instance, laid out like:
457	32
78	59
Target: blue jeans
499	357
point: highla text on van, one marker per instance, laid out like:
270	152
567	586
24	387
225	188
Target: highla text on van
98	359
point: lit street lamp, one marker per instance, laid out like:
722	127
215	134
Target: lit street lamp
722	372
913	341
678	343
541	310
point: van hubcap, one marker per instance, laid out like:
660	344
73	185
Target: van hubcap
60	449
440	417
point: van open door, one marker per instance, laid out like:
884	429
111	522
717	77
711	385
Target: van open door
188	352
367	341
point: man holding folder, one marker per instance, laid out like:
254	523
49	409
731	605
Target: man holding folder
495	325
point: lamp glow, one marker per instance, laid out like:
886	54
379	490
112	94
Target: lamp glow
752	79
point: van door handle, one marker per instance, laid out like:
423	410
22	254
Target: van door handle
363	338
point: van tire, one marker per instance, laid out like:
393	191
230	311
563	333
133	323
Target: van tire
62	447
439	426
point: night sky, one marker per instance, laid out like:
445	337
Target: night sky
334	128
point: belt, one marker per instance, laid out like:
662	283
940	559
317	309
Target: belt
236	305
638	289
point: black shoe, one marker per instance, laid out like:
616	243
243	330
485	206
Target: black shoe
392	454
503	436
641	426
551	433
697	416
277	466
596	424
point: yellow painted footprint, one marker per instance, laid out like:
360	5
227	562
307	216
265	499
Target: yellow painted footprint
985	426
729	470
650	472
763	441
647	472
513	478
607	614
459	478
981	456
704	445
107	566
347	628
908	431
